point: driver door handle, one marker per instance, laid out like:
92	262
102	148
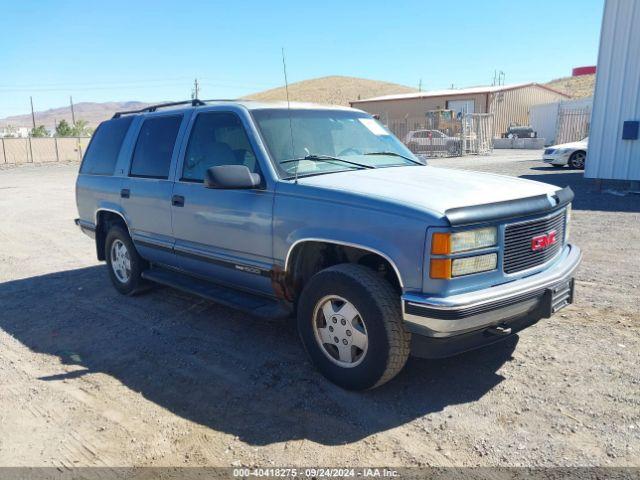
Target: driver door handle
177	201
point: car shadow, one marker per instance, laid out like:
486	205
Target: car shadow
220	368
609	198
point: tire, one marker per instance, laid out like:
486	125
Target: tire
131	281
577	160
379	317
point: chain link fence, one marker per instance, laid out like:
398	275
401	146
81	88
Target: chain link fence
443	133
42	150
573	124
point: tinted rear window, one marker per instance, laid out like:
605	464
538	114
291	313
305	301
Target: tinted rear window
154	148
102	153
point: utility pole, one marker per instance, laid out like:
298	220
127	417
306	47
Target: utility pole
196	90
33	116
73	115
420	85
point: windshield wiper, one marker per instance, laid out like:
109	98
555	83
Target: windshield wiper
394	154
327	158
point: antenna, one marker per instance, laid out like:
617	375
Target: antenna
286	87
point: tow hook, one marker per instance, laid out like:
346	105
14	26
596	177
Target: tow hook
499	330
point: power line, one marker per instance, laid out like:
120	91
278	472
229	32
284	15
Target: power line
131	87
102	82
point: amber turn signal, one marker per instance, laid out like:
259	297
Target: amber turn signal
440	268
441	243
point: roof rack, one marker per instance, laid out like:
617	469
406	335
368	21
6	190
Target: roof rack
152	108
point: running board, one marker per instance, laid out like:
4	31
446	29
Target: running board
256	305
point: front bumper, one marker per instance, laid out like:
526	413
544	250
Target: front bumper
556	159
502	308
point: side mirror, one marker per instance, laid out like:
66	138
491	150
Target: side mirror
231	177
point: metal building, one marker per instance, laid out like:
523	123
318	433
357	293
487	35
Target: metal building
614	144
508	103
562	122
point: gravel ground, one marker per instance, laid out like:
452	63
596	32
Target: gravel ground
92	378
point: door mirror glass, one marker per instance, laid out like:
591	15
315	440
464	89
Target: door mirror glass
231	177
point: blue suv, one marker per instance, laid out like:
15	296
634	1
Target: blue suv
321	213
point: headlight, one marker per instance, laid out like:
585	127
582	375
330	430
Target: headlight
445	268
469	265
446	243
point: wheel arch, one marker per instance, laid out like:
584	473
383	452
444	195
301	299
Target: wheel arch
307	256
104	219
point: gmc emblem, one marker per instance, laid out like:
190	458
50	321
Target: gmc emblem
542	242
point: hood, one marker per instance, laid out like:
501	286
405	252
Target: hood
431	188
578	144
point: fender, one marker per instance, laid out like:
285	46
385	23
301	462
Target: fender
346	244
111	210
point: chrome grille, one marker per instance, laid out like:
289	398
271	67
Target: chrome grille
518	254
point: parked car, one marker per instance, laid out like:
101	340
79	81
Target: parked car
520	131
573	154
421	141
320	213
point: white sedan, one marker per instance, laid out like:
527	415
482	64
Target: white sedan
572	154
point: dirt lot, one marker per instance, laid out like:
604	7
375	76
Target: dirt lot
92	378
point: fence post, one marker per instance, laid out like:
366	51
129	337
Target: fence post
4	152
79	148
55	141
30	148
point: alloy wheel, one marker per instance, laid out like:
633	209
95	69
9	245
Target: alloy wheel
340	331
120	261
577	160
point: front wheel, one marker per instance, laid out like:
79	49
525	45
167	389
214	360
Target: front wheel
577	160
350	323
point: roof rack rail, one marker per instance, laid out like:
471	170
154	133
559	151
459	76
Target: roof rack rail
152	108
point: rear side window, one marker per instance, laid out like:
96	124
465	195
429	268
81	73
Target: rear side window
102	153
154	148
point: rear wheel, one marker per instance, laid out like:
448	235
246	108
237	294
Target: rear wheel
125	265
350	323
577	160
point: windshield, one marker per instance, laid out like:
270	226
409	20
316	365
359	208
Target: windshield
321	138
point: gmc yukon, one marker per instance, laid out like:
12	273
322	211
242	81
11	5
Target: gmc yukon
321	214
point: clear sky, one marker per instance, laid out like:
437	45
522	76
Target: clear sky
116	50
